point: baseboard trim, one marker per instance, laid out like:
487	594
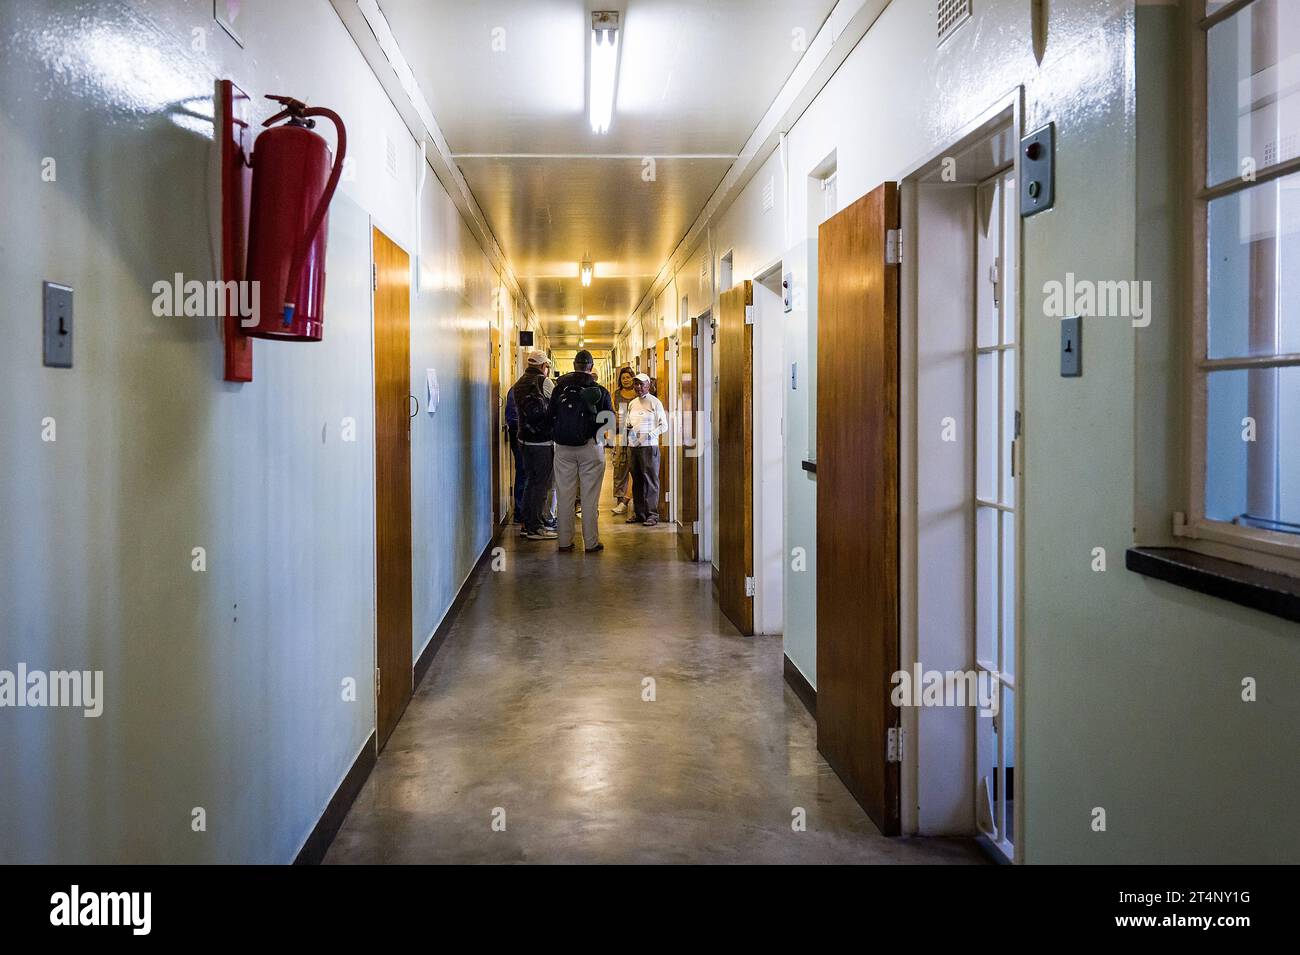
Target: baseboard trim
331	820
453	613
802	688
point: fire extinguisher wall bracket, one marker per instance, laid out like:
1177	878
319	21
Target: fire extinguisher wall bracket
293	183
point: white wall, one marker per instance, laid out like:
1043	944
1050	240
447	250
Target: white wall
223	688
1131	687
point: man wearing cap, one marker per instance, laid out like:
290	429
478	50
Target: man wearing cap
581	416
532	402
646	420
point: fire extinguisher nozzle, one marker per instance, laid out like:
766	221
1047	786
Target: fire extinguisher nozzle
288	313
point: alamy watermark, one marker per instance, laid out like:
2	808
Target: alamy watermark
211	299
1129	299
77	689
946	688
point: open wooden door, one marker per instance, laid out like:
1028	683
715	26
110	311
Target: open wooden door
735	547
688	453
494	379
857	501
665	440
392	482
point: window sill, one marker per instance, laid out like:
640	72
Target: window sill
1262	590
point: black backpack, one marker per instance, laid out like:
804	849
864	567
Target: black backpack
534	409
575	413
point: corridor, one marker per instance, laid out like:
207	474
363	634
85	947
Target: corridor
948	349
535	705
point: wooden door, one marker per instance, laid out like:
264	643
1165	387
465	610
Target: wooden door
392	481
665	440
735	463
857	500
494	383
688	453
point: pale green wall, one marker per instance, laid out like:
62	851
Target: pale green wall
223	688
1132	687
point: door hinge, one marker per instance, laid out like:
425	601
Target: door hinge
695	341
894	247
695	527
995	278
894	745
749	315
378	681
750	585
374	277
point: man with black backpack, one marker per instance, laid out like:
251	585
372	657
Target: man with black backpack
582	414
534	409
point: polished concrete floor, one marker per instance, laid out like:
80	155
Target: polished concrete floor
529	740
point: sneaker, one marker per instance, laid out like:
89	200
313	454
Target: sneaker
541	535
592	550
651	521
620	508
565	547
551	525
633	520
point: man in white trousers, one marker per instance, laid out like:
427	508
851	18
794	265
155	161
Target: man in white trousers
581	414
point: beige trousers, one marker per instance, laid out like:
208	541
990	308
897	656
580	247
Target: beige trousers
581	467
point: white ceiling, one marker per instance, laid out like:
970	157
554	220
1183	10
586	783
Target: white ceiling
695	77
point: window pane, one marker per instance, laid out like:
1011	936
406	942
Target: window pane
1007	715
1008	648
1254	266
986	585
1252	441
986	426
1252	65
988	248
1008	426
985	775
1009	279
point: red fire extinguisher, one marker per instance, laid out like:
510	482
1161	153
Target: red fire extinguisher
293	183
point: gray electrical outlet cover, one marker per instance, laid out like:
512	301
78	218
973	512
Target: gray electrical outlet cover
57	323
1038	170
1072	347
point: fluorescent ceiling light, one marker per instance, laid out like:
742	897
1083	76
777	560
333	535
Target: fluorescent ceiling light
604	69
586	270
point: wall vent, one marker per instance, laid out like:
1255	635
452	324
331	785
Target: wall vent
769	195
951	15
390	156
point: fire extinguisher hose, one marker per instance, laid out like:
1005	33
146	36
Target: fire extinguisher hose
322	207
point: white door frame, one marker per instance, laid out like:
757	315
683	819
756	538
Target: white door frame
769	451
1009	108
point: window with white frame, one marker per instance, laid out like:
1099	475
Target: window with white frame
1245	434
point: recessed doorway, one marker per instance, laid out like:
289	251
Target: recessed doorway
961	410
